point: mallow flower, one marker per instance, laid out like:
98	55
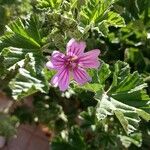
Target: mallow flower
73	64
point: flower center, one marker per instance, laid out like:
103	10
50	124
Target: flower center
71	62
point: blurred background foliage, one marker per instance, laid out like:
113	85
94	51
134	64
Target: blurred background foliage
113	110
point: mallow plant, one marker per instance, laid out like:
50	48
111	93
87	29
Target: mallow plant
78	61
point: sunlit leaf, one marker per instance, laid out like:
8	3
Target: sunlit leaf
21	52
125	87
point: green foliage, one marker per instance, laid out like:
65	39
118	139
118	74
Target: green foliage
97	16
7	125
135	138
125	99
53	4
73	141
110	112
24	55
125	88
98	78
53	112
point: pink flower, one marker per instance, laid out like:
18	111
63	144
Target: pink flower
73	64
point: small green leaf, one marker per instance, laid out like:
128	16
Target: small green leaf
135	138
98	78
143	114
114	19
103	73
53	4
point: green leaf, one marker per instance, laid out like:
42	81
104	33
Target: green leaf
98	78
29	79
17	57
135	138
22	35
143	114
91	87
94	11
103	73
21	52
114	19
53	4
126	87
98	16
127	115
102	28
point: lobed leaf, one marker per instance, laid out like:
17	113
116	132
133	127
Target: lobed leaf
21	52
98	16
126	87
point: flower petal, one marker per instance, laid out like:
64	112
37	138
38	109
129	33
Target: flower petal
57	61
50	65
61	79
75	48
90	59
80	75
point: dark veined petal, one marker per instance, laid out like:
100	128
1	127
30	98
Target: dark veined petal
61	79
80	75
75	48
57	61
90	59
